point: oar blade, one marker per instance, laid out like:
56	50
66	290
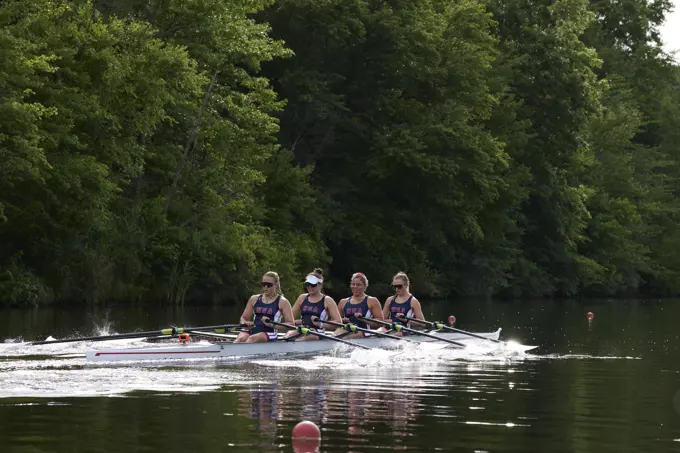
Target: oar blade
523	347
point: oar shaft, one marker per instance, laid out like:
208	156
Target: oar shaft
398	327
102	337
355	328
201	333
441	326
120	336
305	330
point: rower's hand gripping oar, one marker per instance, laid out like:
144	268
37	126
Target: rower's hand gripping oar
169	332
441	326
398	327
355	328
307	331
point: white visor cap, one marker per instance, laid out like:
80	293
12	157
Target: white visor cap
313	279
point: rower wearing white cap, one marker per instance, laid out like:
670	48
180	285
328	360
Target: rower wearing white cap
314	304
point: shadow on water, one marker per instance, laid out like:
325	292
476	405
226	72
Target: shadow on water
612	384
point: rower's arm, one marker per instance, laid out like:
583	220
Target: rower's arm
376	311
386	308
341	305
297	306
332	309
287	311
417	309
247	316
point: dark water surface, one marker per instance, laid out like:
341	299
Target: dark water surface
612	384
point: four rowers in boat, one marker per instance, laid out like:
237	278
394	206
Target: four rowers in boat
314	307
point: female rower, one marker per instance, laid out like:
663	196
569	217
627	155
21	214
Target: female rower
314	304
402	304
265	307
359	308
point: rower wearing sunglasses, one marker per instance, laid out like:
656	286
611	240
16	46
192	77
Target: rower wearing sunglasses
314	304
402	304
261	308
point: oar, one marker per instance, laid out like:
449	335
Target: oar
398	327
201	333
355	328
440	326
169	331
511	345
305	331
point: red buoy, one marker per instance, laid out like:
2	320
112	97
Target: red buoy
306	437
306	430
590	316
452	320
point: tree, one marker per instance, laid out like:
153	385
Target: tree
553	78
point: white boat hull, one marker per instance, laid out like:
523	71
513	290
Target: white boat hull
189	351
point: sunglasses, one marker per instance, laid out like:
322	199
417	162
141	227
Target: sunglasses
266	284
312	285
397	286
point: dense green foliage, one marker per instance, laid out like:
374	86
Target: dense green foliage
171	150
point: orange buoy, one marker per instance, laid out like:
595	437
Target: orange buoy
184	338
452	320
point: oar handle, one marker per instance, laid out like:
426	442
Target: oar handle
306	331
301	330
441	326
348	327
391	325
332	323
355	328
419	321
276	323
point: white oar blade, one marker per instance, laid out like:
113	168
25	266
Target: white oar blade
518	347
492	348
525	348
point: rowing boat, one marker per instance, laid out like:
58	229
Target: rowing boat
225	350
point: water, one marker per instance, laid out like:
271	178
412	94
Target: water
612	384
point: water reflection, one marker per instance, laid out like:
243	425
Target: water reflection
382	403
261	406
359	405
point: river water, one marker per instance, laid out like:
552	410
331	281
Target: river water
610	384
